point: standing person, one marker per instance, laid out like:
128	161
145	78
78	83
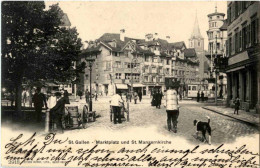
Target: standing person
130	96
135	97
116	102
160	96
12	97
237	104
154	98
58	110
198	96
172	109
96	95
140	96
87	96
51	103
39	101
106	92
24	97
202	96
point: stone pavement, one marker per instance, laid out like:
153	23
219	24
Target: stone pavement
247	117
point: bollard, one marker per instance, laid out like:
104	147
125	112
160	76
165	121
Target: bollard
47	121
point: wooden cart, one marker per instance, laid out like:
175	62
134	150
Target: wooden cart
124	113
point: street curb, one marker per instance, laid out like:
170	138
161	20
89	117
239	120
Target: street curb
247	122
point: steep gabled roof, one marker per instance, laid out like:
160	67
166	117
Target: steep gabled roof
190	52
178	45
224	26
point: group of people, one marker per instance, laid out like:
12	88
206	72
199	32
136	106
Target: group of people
157	98
200	95
135	95
55	105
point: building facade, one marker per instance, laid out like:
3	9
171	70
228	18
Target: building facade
123	63
243	53
217	37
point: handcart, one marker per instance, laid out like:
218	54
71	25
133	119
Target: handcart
74	119
124	113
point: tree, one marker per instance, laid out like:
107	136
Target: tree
35	46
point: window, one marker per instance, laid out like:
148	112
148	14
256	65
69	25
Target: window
146	78
87	77
240	41
108	65
155	59
118	75
254	32
218	17
249	35
154	70
117	64
194	88
168	62
146	58
244	37
154	79
198	43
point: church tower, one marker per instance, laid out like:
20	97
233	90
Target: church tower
196	40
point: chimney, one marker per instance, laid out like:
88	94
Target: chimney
122	34
155	36
148	37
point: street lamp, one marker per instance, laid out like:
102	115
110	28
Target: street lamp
90	64
216	72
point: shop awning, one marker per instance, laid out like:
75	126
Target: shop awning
138	85
235	69
121	86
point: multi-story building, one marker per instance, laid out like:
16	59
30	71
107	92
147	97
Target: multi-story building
217	36
122	63
243	53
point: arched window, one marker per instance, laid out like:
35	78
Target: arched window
198	43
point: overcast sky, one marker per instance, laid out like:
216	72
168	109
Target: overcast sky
176	19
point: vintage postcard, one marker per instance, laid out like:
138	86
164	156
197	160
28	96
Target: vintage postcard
130	84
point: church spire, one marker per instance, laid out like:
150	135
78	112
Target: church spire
196	29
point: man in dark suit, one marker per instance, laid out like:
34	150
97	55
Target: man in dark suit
39	101
58	111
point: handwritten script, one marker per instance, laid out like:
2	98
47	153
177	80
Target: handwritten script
22	150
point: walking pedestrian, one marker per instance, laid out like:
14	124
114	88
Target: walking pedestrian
87	96
198	96
39	101
172	109
140	96
96	95
202	96
116	102
237	104
135	97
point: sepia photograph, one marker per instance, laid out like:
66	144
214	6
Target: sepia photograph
130	84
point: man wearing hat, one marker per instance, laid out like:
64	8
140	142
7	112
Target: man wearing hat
39	101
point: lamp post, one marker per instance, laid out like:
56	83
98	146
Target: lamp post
216	72
90	64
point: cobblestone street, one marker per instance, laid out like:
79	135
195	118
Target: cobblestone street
224	129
